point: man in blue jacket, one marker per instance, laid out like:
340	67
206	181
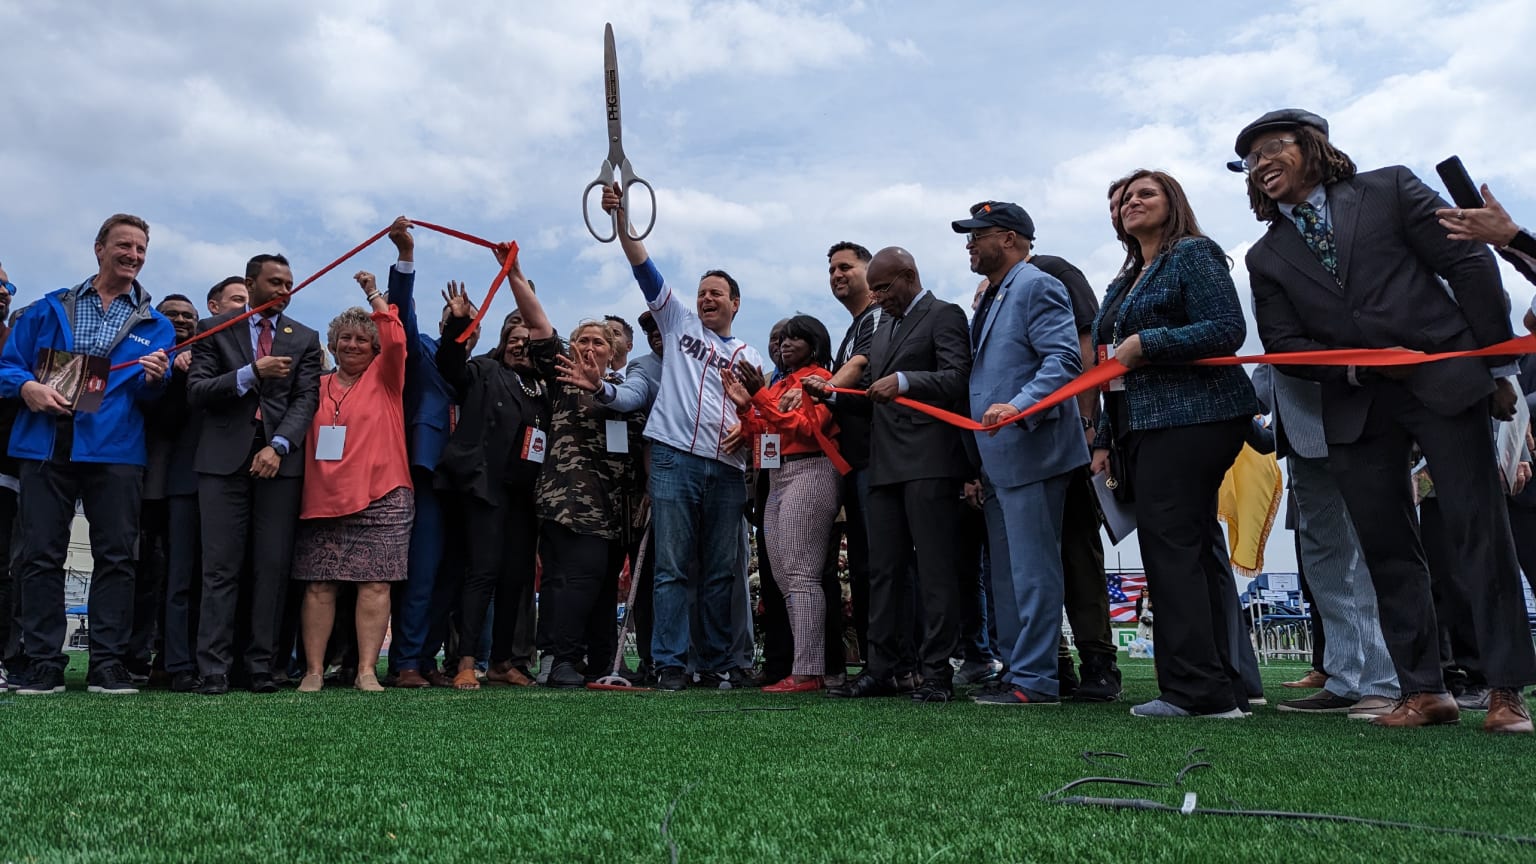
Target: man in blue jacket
97	457
1026	346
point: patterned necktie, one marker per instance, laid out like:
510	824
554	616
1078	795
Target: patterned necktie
979	323
1317	234
263	338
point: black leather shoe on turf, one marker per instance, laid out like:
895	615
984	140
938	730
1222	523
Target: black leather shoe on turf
213	685
669	680
863	687
563	675
113	680
41	681
184	682
933	691
263	683
1066	677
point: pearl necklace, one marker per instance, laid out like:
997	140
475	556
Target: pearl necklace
538	386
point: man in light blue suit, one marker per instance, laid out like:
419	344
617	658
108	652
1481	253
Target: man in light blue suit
1025	343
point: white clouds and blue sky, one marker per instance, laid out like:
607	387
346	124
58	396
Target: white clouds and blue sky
770	130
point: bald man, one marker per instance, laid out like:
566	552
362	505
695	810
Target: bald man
917	468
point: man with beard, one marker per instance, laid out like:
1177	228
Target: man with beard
257	383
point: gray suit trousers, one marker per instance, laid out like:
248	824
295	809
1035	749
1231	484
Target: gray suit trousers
1355	657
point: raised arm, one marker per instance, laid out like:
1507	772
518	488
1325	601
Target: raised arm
402	283
634	250
453	355
528	304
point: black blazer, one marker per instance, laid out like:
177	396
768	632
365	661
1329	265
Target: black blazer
229	419
1392	257
933	348
171	430
483	458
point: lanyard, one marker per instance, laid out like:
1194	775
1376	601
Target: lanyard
330	391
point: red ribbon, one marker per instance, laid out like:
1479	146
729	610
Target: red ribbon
468	238
1111	369
506	267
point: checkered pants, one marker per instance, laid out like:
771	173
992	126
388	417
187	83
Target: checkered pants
797	524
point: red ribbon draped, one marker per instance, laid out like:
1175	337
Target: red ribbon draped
1111	369
468	238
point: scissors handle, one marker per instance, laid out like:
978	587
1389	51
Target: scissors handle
603	181
627	181
627	176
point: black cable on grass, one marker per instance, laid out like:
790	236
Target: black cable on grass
1122	781
1158	806
1178	779
666	822
1092	756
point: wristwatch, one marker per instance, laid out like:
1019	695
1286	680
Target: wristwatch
279	448
1087	424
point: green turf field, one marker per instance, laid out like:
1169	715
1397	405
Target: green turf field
537	775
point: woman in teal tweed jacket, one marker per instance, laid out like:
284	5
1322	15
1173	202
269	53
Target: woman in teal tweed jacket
1178	428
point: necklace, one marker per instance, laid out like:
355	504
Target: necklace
538	387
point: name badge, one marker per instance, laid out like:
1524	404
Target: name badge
332	442
1114	385
618	436
768	451
534	444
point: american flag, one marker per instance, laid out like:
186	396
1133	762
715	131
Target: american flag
1124	590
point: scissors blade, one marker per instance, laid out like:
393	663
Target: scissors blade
611	91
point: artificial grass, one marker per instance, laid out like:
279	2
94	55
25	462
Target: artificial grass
540	775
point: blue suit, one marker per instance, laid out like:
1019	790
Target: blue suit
428	401
1026	347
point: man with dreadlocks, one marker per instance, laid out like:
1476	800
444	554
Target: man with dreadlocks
1356	260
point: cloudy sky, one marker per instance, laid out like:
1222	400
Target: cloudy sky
770	130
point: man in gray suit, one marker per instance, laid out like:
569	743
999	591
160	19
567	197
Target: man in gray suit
1358	260
1361	679
1025	342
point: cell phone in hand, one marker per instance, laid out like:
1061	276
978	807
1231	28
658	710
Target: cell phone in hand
1459	184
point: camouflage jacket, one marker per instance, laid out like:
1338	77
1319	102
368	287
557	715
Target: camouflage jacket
583	486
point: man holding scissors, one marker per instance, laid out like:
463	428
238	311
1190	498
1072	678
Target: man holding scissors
697	488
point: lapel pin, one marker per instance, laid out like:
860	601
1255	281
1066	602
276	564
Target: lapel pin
287	329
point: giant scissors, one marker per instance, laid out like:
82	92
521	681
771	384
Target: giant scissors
616	161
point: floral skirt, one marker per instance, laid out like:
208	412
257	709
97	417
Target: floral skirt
371	546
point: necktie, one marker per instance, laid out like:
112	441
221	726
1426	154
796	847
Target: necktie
896	326
981	315
264	337
1319	236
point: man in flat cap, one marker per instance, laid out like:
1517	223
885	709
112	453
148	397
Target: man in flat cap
1357	261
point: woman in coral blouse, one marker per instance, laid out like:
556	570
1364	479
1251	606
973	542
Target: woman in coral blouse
355	522
803	497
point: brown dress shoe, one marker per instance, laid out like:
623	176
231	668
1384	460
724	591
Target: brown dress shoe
1422	709
411	679
510	675
439	678
1313	680
1507	713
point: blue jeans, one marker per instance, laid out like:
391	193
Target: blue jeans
696	507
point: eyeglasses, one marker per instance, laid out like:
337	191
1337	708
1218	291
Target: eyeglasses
9	287
972	238
884	286
1269	150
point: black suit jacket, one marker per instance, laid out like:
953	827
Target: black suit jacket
933	349
229	419
1392	257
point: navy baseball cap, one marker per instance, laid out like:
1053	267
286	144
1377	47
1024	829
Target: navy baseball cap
998	214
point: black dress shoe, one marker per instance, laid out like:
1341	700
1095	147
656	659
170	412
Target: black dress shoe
184	682
213	685
933	691
261	682
863	687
